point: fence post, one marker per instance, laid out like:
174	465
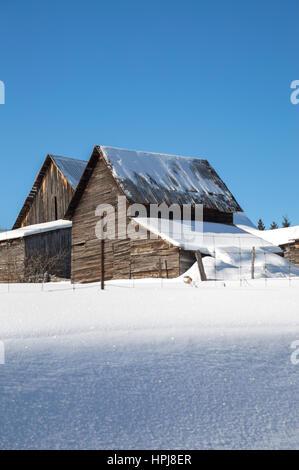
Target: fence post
102	264
166	269
201	268
160	268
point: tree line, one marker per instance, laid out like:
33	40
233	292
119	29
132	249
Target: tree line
285	223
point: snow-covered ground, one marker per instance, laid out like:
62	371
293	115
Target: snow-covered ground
150	364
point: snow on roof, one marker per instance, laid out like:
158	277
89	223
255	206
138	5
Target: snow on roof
152	178
204	236
34	229
279	236
71	168
240	218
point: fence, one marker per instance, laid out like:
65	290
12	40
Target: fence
225	258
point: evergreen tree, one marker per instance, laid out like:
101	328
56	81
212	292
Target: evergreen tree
260	225
286	222
273	226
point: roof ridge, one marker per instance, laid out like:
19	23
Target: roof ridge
52	155
157	154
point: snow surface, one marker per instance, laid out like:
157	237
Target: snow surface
278	236
231	264
150	364
34	229
151	178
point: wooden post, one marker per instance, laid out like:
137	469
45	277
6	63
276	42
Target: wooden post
160	268
252	262
102	264
201	268
166	269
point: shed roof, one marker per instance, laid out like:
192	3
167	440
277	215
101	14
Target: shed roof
204	236
34	230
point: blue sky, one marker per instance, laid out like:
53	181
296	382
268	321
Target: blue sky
201	78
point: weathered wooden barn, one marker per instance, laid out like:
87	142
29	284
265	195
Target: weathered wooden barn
51	192
291	252
40	242
36	253
142	178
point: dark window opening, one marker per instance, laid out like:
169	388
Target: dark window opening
55	207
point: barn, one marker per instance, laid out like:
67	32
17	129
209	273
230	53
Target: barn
40	241
141	178
291	251
51	192
36	253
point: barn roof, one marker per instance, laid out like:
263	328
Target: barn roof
153	178
71	169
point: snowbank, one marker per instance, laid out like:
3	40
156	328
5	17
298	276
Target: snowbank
231	264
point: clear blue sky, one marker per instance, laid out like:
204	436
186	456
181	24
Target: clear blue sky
200	78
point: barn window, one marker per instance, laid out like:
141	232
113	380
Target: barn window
55	207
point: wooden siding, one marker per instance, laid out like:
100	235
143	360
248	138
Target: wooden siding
55	244
20	257
187	259
44	208
12	257
122	258
291	252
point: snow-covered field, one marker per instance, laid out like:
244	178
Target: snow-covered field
150	364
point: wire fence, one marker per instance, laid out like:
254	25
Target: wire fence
226	260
